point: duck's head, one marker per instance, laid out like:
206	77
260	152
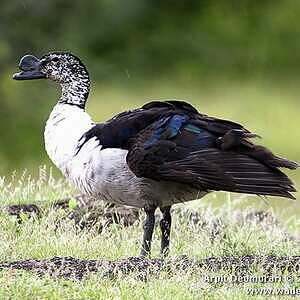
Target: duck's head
62	67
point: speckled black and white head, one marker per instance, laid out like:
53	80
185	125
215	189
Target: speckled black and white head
63	68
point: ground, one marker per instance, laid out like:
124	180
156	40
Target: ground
54	245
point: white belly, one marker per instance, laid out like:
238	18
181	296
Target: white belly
106	175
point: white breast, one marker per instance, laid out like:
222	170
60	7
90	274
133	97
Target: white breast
64	128
102	173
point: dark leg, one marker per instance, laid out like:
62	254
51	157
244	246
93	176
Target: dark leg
165	226
148	231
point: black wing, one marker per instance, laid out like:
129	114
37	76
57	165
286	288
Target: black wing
118	131
209	154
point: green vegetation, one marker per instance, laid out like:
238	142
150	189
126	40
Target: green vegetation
227	231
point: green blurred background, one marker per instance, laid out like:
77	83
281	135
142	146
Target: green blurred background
237	60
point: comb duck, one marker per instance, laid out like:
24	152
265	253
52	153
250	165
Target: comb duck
151	157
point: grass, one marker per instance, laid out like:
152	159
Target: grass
225	233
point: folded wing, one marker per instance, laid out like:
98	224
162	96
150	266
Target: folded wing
209	154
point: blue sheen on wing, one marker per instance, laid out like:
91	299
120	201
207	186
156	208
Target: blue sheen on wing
157	131
175	125
166	128
196	137
193	128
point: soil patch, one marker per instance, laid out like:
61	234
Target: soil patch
77	269
85	214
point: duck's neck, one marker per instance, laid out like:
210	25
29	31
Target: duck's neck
64	129
75	92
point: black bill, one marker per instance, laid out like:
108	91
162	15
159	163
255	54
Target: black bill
30	67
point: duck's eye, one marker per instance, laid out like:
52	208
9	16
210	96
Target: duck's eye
55	59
